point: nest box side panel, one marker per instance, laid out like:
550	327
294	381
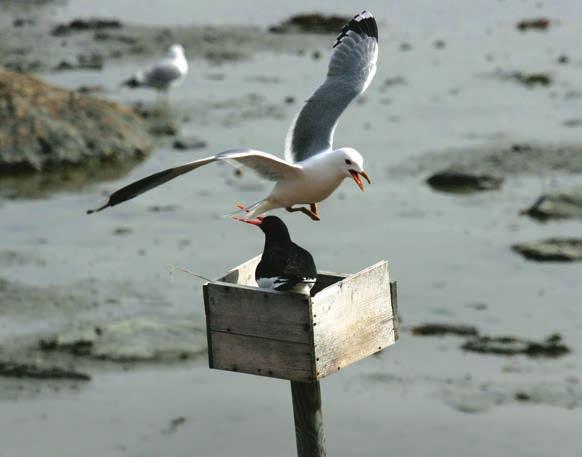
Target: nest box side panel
244	274
259	332
353	319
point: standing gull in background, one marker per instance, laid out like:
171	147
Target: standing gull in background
284	265
168	72
312	169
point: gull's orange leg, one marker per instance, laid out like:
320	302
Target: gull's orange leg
313	207
312	214
242	207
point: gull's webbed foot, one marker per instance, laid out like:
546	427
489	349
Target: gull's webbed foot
312	213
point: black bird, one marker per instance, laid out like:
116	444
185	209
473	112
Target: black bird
284	266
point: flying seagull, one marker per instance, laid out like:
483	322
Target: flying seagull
168	72
284	265
312	169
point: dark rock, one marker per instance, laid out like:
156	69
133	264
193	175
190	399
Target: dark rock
532	79
120	231
162	129
82	25
44	127
64	65
311	23
444	329
572	122
463	182
183	144
539	23
92	61
107	36
30	371
22	22
394	81
78	347
564	204
132	340
89	89
162	208
522	396
24	66
174	425
510	345
499	158
551	250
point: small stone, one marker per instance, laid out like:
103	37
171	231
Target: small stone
539	23
463	182
551	250
183	144
563	204
444	329
311	23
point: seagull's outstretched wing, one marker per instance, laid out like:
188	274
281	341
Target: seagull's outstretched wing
266	165
351	69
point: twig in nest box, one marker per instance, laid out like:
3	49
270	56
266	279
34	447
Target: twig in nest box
185	270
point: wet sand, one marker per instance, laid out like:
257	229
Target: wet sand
63	270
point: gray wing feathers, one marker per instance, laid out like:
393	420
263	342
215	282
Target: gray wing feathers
351	69
266	165
160	76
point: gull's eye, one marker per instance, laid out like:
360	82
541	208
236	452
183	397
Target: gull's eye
348	161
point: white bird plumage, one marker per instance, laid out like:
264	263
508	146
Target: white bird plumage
312	169
164	74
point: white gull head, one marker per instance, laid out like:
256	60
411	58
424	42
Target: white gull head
350	164
175	51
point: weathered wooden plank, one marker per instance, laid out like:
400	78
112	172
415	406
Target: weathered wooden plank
207	313
262	356
244	274
352	319
256	312
394	300
308	415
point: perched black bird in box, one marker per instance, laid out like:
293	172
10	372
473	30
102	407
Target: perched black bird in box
284	266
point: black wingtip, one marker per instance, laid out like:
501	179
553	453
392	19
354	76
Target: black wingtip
96	210
362	24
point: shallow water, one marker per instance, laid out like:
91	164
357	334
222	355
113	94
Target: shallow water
448	252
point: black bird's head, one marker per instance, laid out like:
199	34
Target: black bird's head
274	228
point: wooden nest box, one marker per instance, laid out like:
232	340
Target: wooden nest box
294	336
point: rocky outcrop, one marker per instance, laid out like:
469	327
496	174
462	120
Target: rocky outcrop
44	127
457	181
311	23
564	204
551	250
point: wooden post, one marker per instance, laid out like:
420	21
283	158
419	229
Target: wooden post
308	415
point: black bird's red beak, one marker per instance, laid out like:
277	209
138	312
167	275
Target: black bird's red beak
257	221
